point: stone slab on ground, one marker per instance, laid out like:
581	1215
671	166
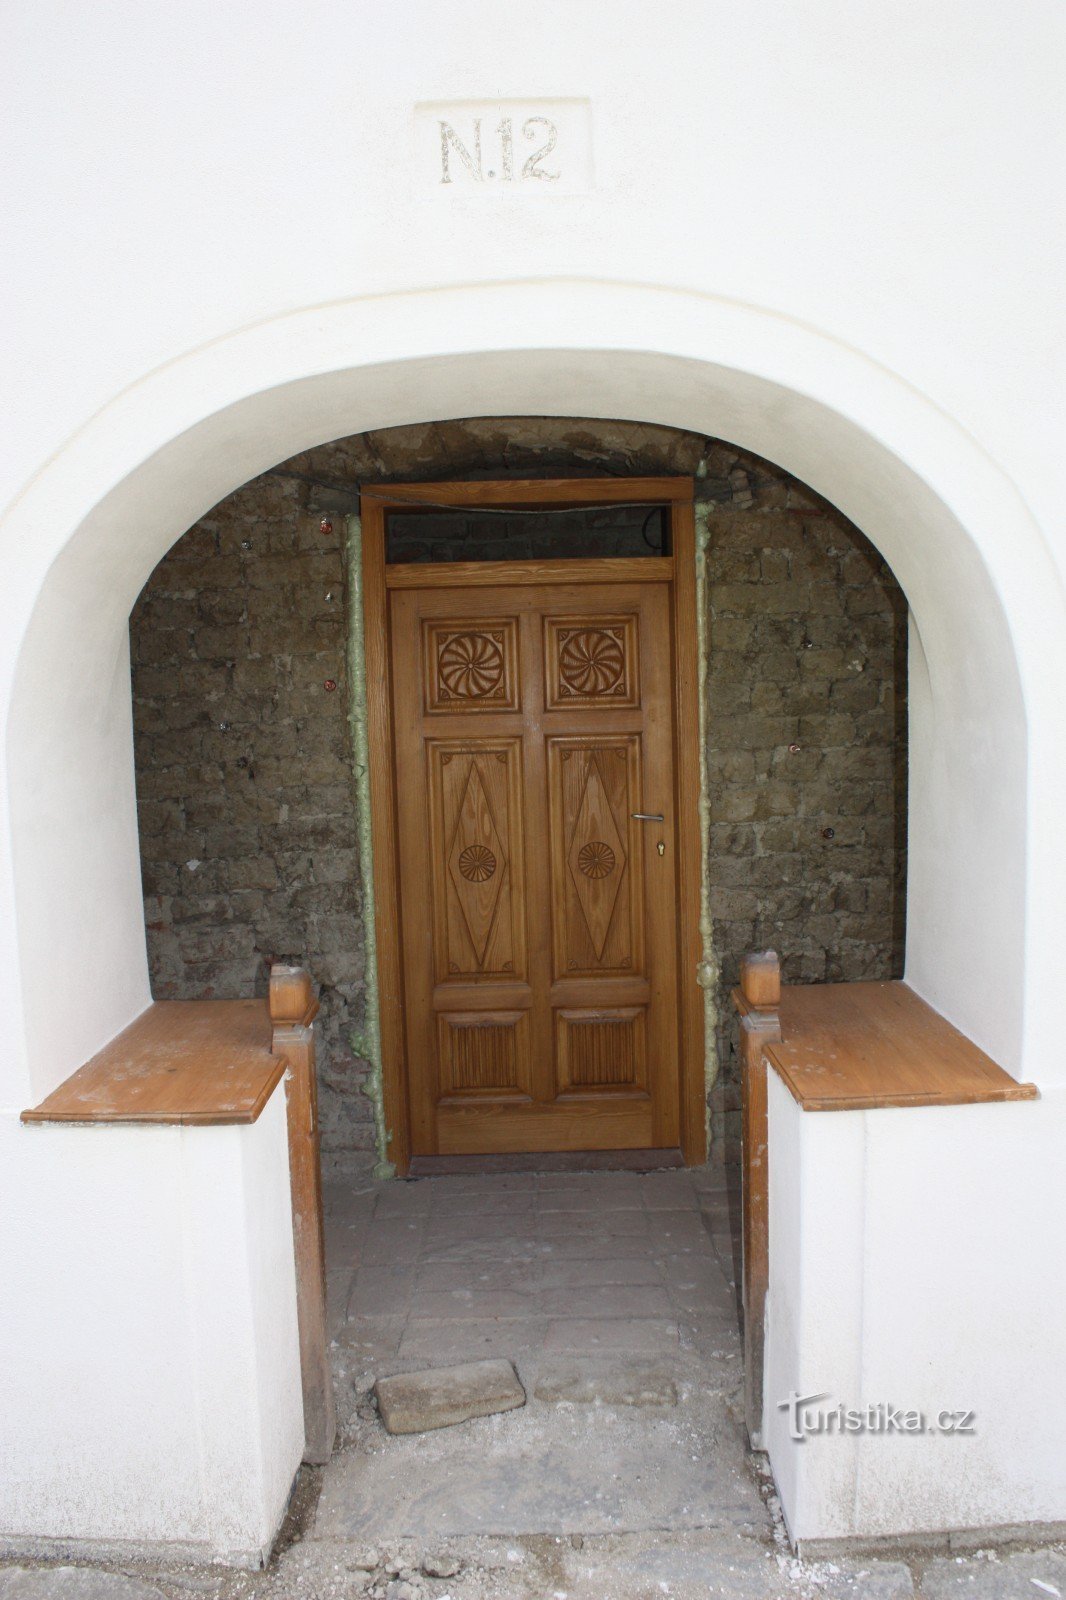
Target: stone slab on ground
723	1564
72	1583
451	1342
553	1470
991	1574
698	1564
417	1402
578	1380
710	1566
638	1336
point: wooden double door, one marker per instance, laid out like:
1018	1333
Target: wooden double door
534	747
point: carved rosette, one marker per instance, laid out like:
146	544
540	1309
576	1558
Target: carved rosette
470	666
596	859
591	662
477	863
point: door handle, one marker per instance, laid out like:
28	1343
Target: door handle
647	816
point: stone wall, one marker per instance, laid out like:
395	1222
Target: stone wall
243	768
807	751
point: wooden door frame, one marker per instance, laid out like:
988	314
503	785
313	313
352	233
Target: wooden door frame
675	495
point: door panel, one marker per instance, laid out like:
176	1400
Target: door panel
597	877
600	1052
471	665
538	915
476	858
483	1055
591	661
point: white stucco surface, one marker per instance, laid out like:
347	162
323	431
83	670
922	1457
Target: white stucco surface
831	239
150	1388
908	1270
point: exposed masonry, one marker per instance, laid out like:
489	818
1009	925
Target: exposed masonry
248	835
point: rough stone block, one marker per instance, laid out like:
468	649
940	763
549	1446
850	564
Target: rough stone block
416	1402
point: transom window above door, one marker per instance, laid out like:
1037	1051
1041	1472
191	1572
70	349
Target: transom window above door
555	533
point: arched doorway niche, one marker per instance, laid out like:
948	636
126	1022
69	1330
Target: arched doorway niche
251	844
154	462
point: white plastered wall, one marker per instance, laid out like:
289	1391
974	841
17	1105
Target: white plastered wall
906	1271
214	269
154	1398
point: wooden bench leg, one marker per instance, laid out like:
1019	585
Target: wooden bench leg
292	1013
760	994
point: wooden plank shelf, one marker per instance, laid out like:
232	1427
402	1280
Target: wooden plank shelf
201	1062
867	1046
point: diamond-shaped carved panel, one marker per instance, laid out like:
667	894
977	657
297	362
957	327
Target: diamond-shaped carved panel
476	858
476	862
597	881
597	857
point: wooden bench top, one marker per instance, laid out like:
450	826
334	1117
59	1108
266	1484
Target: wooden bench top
183	1061
863	1046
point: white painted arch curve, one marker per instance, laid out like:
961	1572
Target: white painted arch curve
89	529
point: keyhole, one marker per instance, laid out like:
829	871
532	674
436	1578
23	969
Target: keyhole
661	848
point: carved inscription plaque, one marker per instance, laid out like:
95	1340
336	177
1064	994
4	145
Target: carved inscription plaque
505	146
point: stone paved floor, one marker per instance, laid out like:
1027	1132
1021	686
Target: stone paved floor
533	1266
604	1289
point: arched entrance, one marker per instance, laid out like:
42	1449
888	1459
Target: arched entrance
985	771
250	840
114	510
